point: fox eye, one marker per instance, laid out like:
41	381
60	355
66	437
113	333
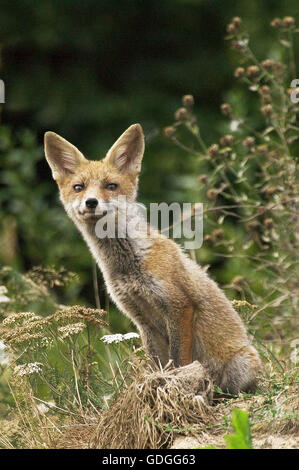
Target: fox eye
78	187
111	186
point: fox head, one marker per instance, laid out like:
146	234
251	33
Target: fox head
85	185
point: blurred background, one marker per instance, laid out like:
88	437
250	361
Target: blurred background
87	70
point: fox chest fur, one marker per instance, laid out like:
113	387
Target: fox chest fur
136	292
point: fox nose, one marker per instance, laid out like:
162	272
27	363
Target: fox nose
91	203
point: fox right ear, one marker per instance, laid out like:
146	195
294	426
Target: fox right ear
62	156
127	152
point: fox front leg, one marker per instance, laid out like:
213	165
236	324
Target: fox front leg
155	343
180	332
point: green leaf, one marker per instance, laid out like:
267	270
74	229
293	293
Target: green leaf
234	441
242	438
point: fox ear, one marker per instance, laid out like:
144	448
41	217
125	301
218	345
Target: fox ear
127	152
62	156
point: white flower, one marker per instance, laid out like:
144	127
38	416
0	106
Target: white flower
235	124
73	329
131	335
4	359
3	298
112	338
117	338
28	369
42	408
243	42
45	341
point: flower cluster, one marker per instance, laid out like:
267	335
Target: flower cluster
25	328
117	338
79	313
243	304
3	297
28	369
73	329
23	292
50	276
20	318
248	177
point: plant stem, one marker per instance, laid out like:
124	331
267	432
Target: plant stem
95	285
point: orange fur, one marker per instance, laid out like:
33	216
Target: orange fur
180	312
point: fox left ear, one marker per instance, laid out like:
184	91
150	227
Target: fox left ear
127	152
62	156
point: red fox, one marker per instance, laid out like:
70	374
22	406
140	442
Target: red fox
180	312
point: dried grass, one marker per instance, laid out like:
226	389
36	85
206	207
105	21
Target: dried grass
172	408
157	405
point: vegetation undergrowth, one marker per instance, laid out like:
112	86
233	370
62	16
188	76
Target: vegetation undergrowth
61	370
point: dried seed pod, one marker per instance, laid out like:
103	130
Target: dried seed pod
188	101
267	110
208	238
249	142
276	23
273	154
213	150
269	222
212	194
288	21
181	114
264	90
270	190
231	29
237	21
268	64
226	109
239	72
169	131
203	179
266	99
238	45
238	281
252	71
218	234
226	140
262	149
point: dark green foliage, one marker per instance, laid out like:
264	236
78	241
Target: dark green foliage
87	70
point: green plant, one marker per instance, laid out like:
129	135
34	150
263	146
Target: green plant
54	358
241	439
61	375
249	185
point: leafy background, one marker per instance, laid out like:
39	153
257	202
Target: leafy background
87	70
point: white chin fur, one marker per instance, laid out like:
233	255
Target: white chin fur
88	216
